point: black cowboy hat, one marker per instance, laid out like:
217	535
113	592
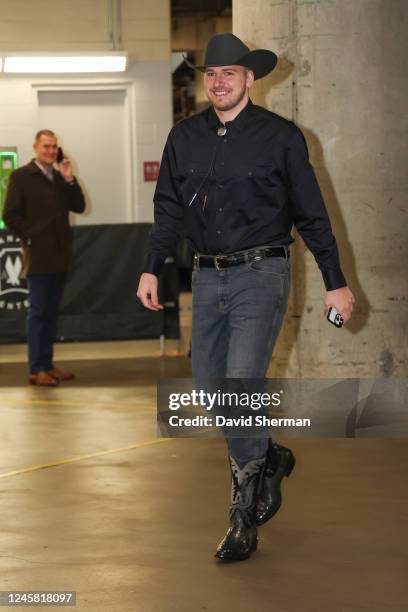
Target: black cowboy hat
229	50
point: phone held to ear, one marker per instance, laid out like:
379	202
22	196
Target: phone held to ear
335	317
60	155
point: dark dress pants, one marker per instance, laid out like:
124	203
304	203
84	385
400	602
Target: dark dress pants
45	292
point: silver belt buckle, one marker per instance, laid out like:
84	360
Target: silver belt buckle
217	265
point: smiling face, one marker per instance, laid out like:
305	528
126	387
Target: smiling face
227	86
46	149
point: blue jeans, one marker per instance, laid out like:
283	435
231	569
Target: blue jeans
237	315
45	291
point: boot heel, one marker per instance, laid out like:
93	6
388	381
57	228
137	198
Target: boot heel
291	465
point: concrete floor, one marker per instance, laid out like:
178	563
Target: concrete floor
92	501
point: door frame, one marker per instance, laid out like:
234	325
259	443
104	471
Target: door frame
130	126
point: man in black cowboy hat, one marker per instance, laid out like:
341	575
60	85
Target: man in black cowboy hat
234	179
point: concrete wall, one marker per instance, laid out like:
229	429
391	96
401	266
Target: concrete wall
85	25
342	78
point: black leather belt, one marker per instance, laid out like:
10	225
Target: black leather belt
239	257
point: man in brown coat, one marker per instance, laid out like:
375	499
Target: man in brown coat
37	206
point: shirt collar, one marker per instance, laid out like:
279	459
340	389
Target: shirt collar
49	172
239	121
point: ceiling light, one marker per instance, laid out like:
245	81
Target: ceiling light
64	63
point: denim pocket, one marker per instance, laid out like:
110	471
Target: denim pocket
279	266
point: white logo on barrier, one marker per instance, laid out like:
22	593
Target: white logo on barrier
13	288
13	269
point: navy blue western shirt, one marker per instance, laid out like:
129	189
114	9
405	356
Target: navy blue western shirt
241	190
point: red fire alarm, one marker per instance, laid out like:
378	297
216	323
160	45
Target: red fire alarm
151	170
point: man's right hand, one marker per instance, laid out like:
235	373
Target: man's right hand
147	291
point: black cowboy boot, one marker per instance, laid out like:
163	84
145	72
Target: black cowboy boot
280	462
241	538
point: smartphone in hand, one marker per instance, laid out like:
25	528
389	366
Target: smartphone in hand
60	155
335	317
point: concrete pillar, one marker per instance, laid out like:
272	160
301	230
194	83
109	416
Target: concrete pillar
342	79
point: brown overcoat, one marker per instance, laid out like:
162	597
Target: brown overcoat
37	211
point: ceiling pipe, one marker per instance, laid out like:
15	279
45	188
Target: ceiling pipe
114	23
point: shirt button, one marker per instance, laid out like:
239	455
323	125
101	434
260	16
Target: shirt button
225	140
220	210
249	173
219	232
222	163
220	186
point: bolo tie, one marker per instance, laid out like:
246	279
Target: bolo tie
221	131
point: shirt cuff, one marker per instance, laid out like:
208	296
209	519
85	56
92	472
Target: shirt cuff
153	264
333	279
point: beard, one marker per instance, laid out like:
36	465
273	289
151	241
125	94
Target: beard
230	101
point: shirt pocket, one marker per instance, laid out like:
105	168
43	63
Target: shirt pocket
193	183
261	179
265	179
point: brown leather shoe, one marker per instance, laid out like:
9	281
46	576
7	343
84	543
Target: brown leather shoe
60	376
43	379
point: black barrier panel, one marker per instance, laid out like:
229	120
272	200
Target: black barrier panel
99	301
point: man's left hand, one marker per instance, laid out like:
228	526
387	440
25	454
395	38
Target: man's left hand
342	300
65	169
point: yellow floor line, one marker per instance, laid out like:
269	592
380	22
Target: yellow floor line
35	468
75	404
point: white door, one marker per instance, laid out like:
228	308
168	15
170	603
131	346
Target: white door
92	127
